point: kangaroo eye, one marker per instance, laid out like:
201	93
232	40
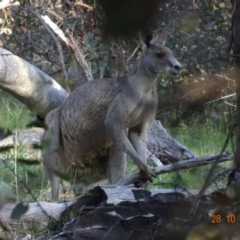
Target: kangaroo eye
160	54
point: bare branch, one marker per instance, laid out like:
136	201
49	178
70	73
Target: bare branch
224	171
55	28
133	53
8	3
40	93
207	181
72	44
196	162
80	57
221	98
84	5
57	43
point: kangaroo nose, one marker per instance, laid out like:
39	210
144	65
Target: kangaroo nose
178	67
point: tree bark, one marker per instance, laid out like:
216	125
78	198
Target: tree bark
29	85
45	214
118	213
37	216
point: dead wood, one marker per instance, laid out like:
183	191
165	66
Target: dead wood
164	146
26	138
115	195
29	85
80	70
37	217
161	147
123	213
143	215
195	162
42	212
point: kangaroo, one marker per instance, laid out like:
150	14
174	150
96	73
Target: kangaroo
103	120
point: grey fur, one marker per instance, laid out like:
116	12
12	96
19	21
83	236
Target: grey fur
103	120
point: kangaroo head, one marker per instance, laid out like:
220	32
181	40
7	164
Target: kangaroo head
156	58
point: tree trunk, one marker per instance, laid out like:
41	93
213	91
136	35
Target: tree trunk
29	85
236	53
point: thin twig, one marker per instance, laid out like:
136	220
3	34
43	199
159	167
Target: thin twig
84	5
133	53
184	164
229	104
210	173
234	206
214	59
80	57
72	45
221	98
225	78
15	167
152	154
217	175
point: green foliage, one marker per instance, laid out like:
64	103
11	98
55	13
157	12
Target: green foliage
96	49
19	167
204	136
30	183
14	115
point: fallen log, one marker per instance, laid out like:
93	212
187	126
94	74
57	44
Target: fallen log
41	213
118	213
37	216
164	146
39	92
25	137
148	215
161	147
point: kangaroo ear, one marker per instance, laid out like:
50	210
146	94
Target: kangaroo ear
146	38
159	36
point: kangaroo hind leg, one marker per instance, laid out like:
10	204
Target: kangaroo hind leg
116	166
53	155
